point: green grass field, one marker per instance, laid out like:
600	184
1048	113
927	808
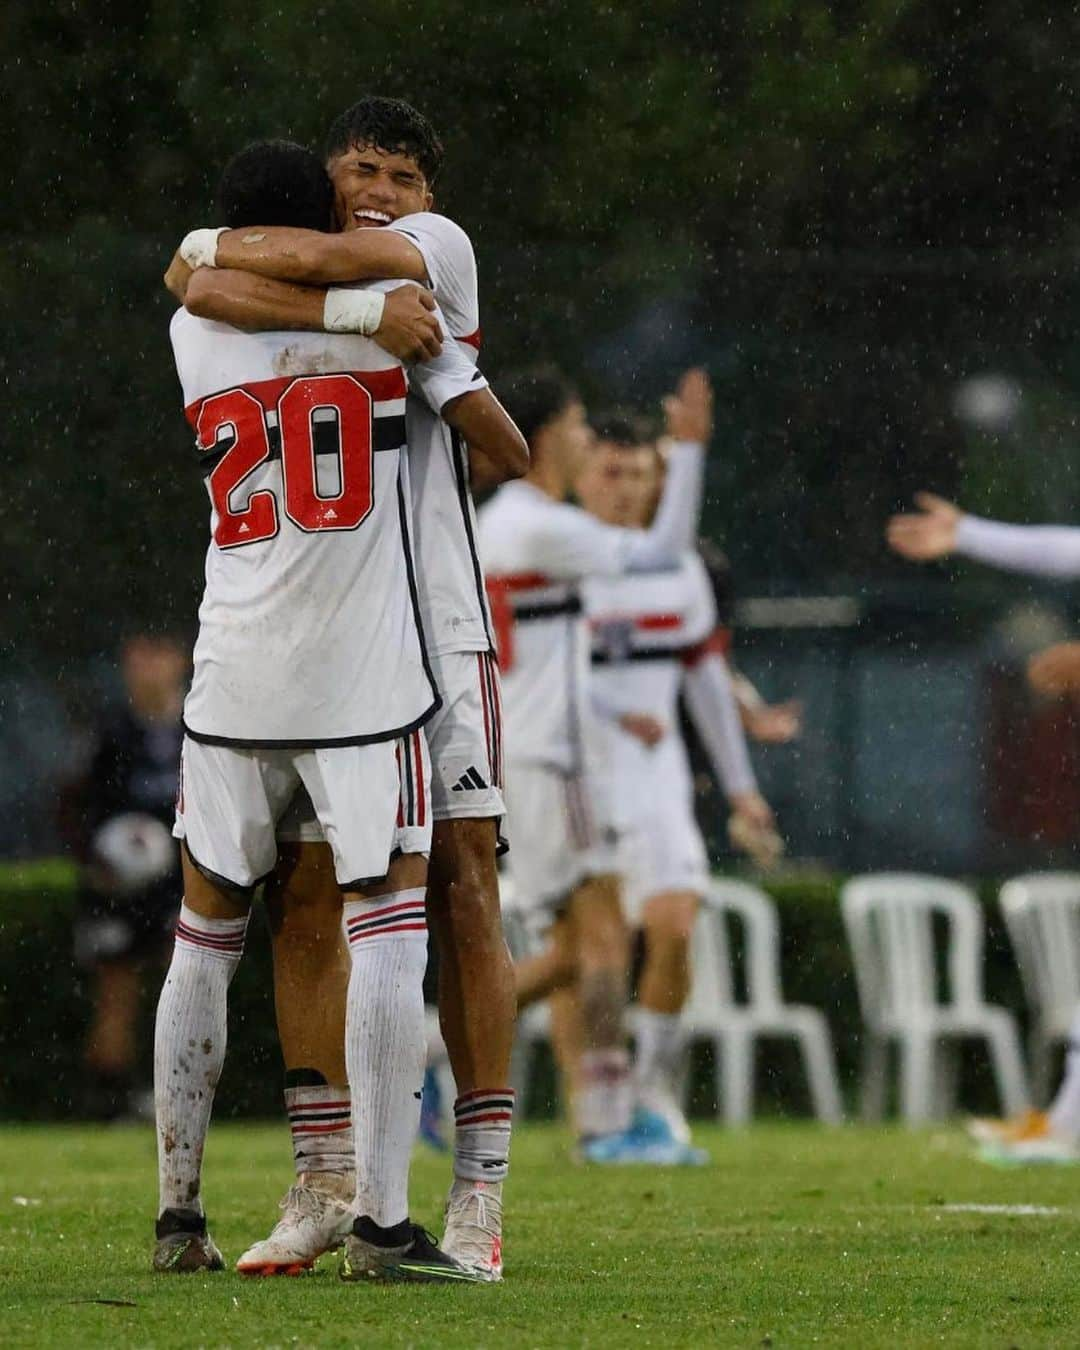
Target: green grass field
793	1237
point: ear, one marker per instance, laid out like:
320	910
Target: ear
429	201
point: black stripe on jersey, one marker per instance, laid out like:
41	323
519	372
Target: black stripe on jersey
387	433
642	654
407	771
551	609
461	477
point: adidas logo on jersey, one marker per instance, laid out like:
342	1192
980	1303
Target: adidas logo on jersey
470	781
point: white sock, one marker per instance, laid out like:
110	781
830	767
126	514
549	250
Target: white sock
482	1121
320	1119
604	1101
660	1045
384	1046
1065	1109
189	1049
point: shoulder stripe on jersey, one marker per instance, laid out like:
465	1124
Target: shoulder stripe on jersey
382	385
472	339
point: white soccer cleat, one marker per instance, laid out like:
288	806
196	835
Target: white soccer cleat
316	1219
1046	1148
1029	1124
473	1235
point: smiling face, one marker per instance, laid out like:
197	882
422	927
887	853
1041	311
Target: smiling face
372	187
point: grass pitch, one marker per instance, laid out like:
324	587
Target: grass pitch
794	1236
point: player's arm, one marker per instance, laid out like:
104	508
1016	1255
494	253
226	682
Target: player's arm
310	256
939	528
1055	671
407	326
710	701
458	392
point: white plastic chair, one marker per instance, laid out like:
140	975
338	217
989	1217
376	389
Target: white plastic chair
1042	913
889	919
714	1014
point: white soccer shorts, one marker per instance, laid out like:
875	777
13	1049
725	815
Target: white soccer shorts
464	740
661	852
560	836
370	801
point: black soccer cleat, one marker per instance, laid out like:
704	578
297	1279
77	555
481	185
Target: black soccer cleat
184	1247
405	1253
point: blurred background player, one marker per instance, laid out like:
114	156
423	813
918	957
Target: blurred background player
118	818
538	551
653	637
937	530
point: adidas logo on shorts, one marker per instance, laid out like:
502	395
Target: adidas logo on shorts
470	781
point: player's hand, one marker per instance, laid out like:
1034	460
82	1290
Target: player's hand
409	329
928	535
177	278
688	412
1056	671
774	723
752	830
647	729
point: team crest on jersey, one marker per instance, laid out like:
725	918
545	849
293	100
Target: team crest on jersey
614	638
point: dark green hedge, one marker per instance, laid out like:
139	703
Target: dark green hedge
44	1002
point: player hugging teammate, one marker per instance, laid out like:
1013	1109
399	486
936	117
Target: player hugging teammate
344	739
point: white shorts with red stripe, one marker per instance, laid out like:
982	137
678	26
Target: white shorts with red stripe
368	802
464	739
560	835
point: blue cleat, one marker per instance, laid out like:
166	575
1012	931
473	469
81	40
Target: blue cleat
431	1119
629	1149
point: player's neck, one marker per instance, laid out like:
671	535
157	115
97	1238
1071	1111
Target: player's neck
547	477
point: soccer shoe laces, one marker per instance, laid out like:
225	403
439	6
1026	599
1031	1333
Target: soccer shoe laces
471	1207
300	1202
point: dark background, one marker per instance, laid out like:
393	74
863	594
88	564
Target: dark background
847	211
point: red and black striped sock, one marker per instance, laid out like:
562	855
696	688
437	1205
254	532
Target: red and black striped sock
320	1118
482	1121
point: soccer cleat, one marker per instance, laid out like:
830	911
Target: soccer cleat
184	1247
1047	1148
317	1215
629	1149
656	1128
473	1235
403	1254
1029	1124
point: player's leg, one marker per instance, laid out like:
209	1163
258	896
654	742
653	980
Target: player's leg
373	803
225	816
667	923
304	907
477	1006
601	942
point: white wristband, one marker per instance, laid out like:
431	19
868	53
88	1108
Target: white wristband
199	248
351	311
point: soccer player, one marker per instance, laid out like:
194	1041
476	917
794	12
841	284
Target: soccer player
935	531
539	551
117	817
309	671
383	158
652	639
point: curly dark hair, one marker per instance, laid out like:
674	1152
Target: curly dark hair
275	183
390	125
536	396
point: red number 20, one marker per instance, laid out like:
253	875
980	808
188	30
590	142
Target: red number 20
240	413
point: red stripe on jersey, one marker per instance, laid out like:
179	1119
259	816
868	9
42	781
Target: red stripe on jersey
401	790
421	804
382	385
481	663
658	623
522	581
718	643
472	339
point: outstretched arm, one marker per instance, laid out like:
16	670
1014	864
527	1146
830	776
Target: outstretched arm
940	528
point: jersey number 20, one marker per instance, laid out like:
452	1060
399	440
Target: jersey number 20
347	402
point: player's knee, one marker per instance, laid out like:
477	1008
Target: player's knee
603	939
668	922
463	885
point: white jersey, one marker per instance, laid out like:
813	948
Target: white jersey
308	628
643	627
537	552
453	605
